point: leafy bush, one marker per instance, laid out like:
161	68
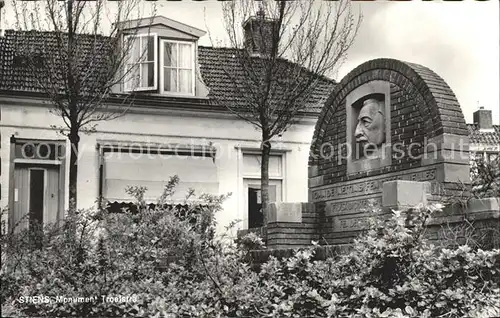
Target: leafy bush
485	176
76	265
170	265
390	272
250	241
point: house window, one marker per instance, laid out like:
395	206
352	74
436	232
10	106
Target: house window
141	73
252	164
177	72
124	165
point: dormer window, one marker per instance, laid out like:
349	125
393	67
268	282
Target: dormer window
141	62
177	70
163	62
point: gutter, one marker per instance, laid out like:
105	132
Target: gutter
143	104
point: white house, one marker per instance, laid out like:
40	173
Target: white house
174	127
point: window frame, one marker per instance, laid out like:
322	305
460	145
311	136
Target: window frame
155	63
257	175
162	66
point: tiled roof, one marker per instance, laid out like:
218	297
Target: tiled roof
38	46
477	136
5	53
221	68
15	76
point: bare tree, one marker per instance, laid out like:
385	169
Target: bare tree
288	49
77	61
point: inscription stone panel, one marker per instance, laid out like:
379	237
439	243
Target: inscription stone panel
350	189
351	224
352	206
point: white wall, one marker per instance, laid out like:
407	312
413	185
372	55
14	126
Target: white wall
226	133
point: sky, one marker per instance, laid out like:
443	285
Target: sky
458	40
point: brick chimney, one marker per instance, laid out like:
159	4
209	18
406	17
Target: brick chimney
258	34
483	119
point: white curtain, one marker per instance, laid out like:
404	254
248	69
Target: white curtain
170	64
132	68
185	68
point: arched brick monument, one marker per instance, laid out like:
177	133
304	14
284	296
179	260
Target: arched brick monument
391	136
417	133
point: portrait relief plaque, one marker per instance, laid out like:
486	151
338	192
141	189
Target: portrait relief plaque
368	127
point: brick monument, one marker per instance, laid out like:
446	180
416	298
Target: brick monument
390	136
386	120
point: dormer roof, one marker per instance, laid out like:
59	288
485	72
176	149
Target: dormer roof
162	21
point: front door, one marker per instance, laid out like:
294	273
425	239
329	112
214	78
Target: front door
36	198
255	215
255	218
36	195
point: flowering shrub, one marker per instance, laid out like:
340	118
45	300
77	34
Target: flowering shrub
485	176
250	241
155	263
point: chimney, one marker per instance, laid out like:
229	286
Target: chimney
258	34
482	118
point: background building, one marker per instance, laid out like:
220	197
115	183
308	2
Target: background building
178	125
484	136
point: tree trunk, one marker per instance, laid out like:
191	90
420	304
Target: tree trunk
72	87
264	175
74	139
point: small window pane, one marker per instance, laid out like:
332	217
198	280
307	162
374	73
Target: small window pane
185	56
185	81
272	193
144	49
135	49
132	78
151	48
166	80
147	74
170	77
144	76
170	54
151	74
